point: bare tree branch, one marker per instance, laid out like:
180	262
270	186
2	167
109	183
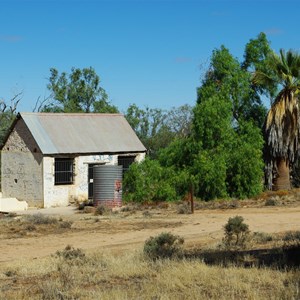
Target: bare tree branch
40	104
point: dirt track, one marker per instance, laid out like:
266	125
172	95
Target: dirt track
129	231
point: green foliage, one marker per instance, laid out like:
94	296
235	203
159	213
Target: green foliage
228	161
165	245
220	152
79	91
149	181
157	128
6	120
244	171
228	80
212	122
236	232
256	56
179	154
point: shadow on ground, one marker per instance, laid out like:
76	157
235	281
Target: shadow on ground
279	258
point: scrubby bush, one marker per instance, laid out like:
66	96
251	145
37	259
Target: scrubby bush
102	210
70	253
39	219
273	201
262	237
65	224
183	209
165	245
292	236
236	232
147	214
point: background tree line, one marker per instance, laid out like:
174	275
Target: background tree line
223	146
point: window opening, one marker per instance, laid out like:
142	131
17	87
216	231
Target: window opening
64	171
126	161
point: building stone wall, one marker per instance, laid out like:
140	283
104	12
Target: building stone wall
21	167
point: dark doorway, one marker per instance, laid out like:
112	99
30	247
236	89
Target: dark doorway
91	180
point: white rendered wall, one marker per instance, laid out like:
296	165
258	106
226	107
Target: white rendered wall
62	195
81	166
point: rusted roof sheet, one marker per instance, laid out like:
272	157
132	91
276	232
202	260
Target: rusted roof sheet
59	133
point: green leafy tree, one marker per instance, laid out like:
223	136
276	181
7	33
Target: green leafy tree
79	91
220	150
227	77
229	161
157	128
244	170
282	127
148	123
256	56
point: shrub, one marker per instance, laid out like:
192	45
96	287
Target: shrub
30	227
149	181
65	224
272	202
236	232
39	219
262	237
102	210
70	253
184	209
292	236
165	245
147	214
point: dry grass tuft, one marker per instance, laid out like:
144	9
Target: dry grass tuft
32	225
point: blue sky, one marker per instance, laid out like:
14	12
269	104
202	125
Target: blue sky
149	52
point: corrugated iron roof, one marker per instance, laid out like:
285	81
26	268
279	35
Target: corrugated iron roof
61	133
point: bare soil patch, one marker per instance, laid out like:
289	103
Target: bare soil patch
129	228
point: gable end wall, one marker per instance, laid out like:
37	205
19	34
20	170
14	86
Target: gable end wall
22	167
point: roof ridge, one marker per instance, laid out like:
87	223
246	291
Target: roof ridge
71	114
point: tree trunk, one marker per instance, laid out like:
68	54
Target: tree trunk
282	181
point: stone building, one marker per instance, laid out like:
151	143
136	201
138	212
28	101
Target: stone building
47	159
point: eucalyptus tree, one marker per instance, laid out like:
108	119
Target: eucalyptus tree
223	153
282	125
79	91
157	128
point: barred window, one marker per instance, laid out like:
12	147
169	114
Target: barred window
126	161
63	171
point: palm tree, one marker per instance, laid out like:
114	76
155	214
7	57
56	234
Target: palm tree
282	125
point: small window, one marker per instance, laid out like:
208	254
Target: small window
64	171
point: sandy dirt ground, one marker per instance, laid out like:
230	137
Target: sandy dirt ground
128	231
